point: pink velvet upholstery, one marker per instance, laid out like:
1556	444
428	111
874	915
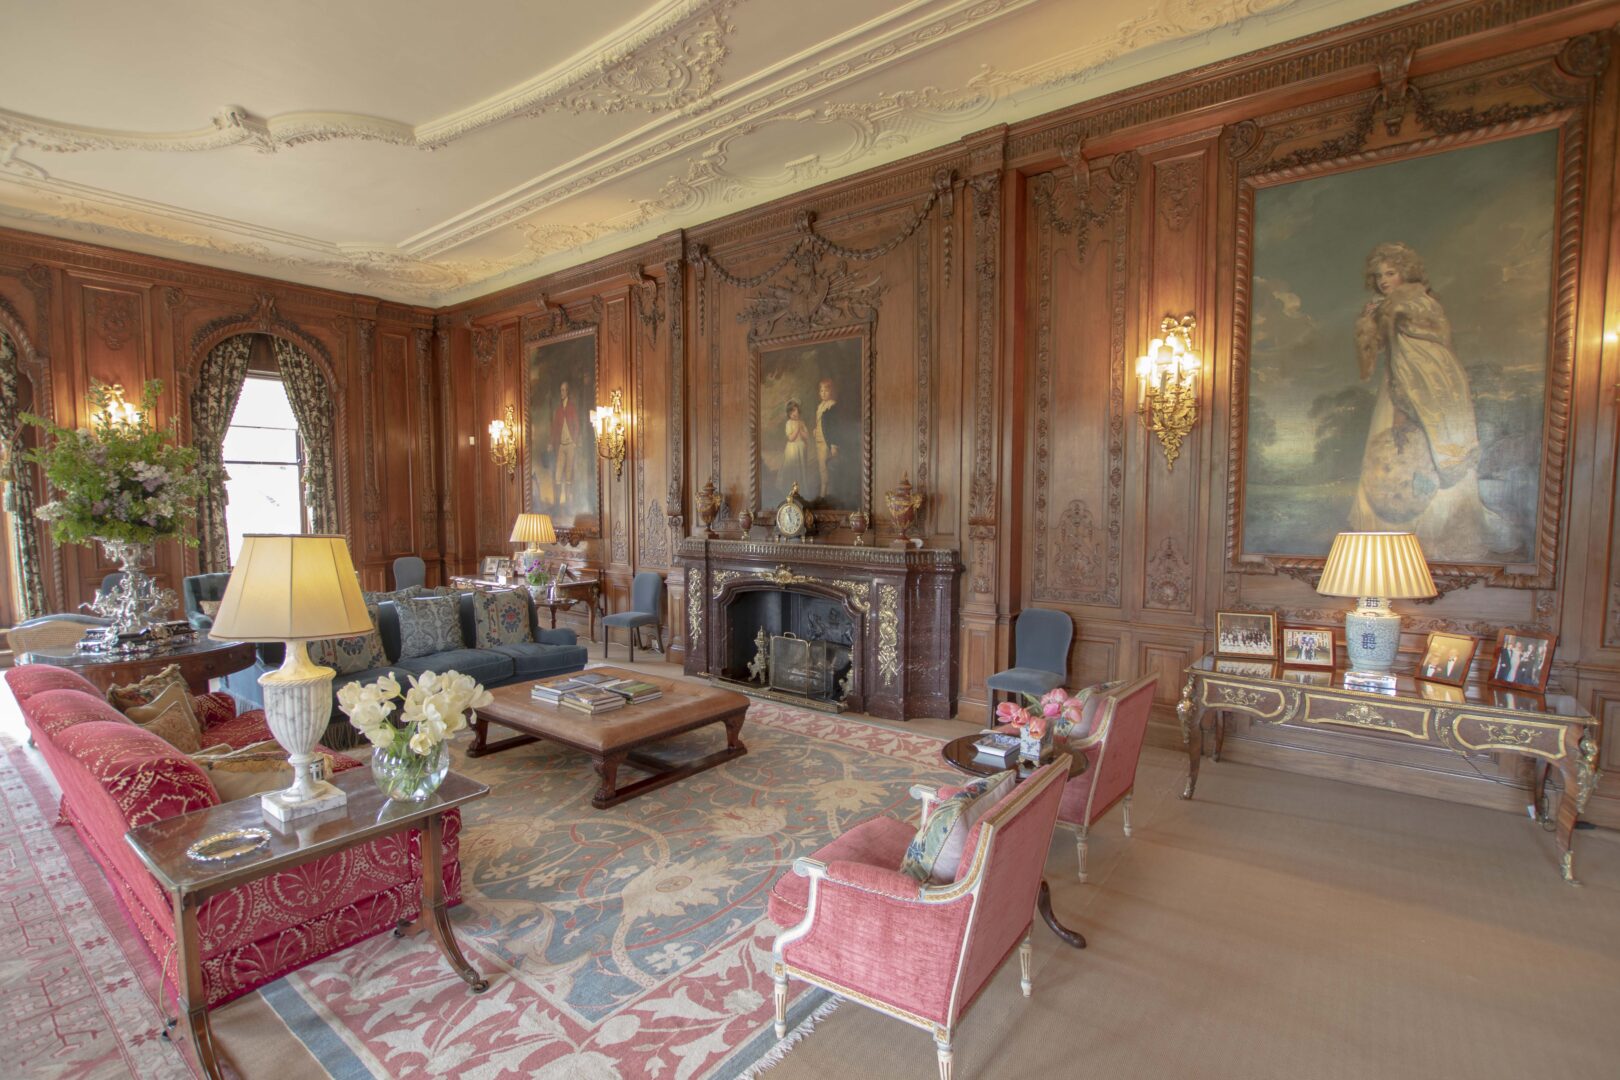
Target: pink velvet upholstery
857	926
1112	750
115	776
31	679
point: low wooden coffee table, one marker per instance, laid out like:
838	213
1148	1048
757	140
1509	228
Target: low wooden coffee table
613	738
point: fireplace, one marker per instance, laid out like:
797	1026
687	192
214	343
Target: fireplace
867	629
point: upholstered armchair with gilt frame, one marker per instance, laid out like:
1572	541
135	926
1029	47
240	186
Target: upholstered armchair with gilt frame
854	909
1110	734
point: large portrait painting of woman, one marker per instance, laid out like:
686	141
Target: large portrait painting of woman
564	481
1400	336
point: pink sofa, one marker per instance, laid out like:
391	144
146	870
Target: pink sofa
115	776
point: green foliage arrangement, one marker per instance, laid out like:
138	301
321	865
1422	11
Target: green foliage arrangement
121	479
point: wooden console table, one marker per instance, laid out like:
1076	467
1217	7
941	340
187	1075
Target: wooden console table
368	815
200	660
1554	732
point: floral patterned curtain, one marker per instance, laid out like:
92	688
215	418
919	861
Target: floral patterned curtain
213	403
311	401
19	478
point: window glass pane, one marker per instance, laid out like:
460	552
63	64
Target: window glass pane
264	404
262	499
261	444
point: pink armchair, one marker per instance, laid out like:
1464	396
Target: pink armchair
919	952
1112	749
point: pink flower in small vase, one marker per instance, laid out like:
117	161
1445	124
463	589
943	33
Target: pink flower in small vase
1010	713
1053	702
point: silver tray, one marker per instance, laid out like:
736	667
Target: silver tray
222	847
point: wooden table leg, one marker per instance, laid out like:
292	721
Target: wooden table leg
1220	734
193	1000
434	912
1192	733
607	767
734	734
1043	904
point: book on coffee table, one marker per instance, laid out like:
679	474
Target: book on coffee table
634	690
551	693
590	699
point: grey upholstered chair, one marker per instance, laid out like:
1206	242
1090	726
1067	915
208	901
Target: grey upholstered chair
1041	651
199	589
409	570
646	609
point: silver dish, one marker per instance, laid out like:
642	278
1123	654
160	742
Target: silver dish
222	847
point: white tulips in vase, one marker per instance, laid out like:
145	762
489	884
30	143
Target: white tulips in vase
410	757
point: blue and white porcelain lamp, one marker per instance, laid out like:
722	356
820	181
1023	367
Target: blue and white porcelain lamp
1375	568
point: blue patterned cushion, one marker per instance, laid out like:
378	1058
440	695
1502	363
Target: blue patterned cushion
501	617
428	625
936	851
348	655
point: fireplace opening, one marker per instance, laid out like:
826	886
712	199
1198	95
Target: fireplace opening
790	644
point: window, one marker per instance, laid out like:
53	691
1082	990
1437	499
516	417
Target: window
264	463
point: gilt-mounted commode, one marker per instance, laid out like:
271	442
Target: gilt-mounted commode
882	621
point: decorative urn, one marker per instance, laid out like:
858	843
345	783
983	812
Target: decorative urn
903	504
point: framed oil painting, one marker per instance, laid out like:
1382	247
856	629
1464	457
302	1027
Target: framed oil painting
1446	657
560	391
1523	660
1246	633
1404	343
811	421
1307	646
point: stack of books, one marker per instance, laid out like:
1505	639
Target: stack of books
591	699
996	748
550	693
633	690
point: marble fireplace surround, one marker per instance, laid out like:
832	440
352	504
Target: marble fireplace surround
902	603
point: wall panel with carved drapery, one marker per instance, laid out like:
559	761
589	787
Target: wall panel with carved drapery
19	481
213	403
311	400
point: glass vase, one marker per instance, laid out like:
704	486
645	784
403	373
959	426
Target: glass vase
408	776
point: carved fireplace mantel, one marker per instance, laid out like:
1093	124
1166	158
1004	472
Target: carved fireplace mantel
901	602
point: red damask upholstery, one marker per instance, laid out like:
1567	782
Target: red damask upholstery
31	679
115	776
922	953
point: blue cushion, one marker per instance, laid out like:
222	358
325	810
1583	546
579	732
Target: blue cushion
531	660
630	618
485	665
1025	680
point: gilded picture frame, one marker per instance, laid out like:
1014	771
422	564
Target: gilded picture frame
562	474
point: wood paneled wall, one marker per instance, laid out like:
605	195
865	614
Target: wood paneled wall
1007	283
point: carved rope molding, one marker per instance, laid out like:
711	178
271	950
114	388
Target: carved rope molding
371	496
1566	85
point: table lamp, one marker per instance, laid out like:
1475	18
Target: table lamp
1374	567
532	530
294	589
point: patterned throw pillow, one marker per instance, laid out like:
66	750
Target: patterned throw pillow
1091	702
349	655
406	593
428	625
253	769
936	851
169	717
145	691
501	617
209	608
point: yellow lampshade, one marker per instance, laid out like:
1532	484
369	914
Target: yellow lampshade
532	529
291	588
1383	564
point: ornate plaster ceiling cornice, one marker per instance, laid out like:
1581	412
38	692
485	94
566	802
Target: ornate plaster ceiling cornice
853	99
667	59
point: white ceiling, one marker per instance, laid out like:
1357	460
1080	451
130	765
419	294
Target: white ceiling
430	152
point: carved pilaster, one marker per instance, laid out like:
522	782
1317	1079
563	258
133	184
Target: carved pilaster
370	494
427	495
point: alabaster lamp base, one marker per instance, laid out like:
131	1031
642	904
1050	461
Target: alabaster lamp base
298	705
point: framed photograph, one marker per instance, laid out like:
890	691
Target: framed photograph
1308	676
811	422
1307	646
1260	669
1446	658
560	390
1404	347
1435	691
1523	660
1246	633
488	567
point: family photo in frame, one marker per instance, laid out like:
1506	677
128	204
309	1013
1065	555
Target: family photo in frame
1246	633
1307	646
1523	660
1447	657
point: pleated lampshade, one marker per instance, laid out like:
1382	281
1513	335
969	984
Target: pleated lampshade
532	529
291	588
1383	564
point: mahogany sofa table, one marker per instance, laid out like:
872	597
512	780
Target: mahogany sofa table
615	738
959	755
368	815
200	660
1552	731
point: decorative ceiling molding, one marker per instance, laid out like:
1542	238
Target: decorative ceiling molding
700	152
667	59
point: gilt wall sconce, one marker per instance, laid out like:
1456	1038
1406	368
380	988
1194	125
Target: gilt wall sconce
1167	385
612	432
503	441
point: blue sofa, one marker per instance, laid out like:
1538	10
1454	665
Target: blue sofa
552	652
